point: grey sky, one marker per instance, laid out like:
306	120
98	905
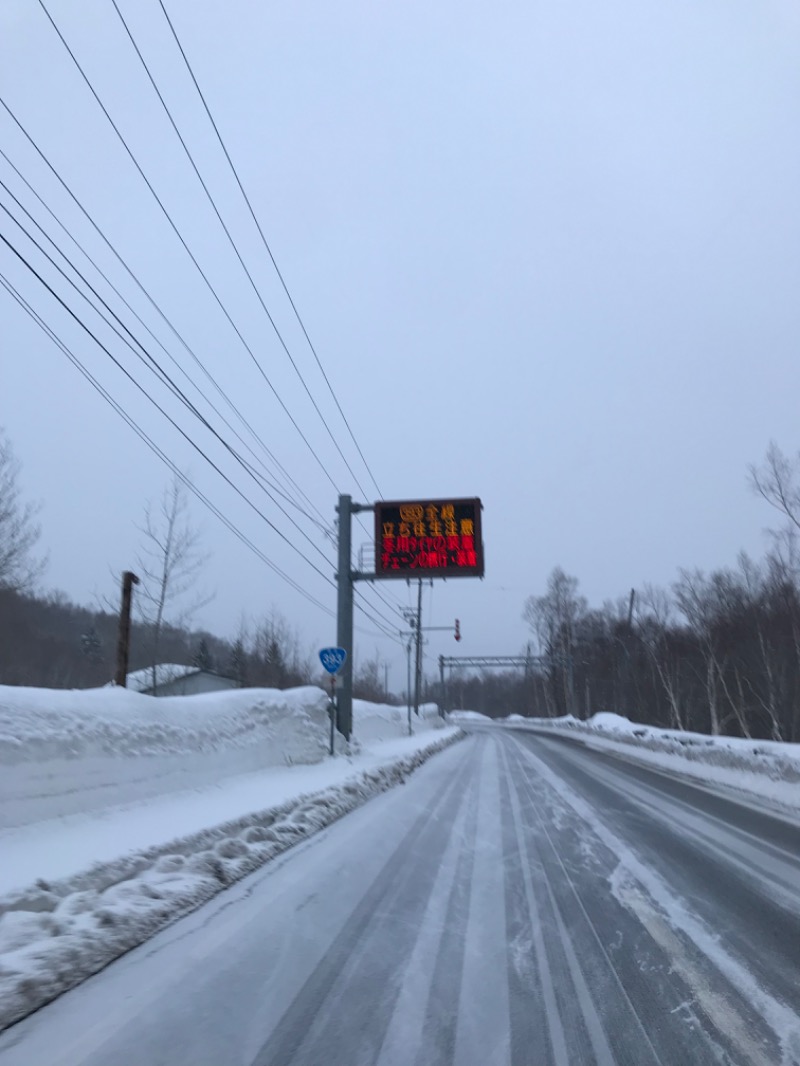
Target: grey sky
548	254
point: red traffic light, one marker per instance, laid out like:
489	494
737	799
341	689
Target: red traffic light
458	630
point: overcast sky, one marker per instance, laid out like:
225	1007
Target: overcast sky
548	254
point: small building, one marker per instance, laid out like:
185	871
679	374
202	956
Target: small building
175	679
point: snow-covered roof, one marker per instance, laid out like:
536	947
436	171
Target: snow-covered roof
142	680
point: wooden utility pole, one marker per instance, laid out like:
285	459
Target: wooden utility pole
124	642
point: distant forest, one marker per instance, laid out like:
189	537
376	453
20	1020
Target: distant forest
715	653
47	641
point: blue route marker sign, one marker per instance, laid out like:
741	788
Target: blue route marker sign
332	659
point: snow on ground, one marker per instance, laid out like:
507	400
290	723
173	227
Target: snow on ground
121	812
467	716
763	771
70	752
141	680
376	721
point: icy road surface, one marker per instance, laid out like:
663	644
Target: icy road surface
519	901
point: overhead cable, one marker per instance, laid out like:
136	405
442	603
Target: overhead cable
189	252
156	449
265	242
155	403
232	243
243	421
149	360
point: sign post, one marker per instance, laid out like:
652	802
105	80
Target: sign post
332	714
333	659
422	539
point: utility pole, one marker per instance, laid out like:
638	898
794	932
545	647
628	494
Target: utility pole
129	579
408	689
418	661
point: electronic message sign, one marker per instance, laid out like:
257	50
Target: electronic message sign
428	538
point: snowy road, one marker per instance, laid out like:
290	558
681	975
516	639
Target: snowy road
519	901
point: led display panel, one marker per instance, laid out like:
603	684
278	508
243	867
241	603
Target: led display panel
428	538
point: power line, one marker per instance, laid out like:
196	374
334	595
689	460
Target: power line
169	463
243	421
189	252
148	360
142	323
265	243
155	448
165	379
231	241
155	403
388	621
155	368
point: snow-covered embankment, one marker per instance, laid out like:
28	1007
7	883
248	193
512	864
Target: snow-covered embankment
122	813
758	771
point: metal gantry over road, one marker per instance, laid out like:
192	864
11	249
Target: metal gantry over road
484	662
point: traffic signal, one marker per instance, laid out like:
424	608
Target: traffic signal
458	630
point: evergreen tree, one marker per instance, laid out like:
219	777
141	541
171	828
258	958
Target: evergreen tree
237	664
202	657
92	645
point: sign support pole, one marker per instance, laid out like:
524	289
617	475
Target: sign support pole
344	617
333	714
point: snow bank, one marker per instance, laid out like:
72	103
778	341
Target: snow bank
468	716
78	751
381	721
54	934
763	771
120	812
37	724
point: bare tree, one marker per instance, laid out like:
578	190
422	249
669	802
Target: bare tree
19	533
554	618
778	481
368	682
170	563
654	618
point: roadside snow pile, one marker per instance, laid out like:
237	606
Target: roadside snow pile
380	721
470	716
37	724
763	770
72	752
55	934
